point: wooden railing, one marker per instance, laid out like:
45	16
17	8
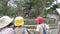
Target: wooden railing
34	26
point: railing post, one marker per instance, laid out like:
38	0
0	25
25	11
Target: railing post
59	27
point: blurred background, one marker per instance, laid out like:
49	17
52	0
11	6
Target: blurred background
30	9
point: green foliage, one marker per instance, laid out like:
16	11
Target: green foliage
33	13
58	5
12	11
22	5
48	2
46	12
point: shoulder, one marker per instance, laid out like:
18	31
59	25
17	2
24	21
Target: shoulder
38	26
24	28
8	29
47	26
21	28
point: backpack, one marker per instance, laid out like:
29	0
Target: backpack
44	31
23	30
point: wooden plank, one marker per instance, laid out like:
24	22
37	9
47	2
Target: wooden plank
34	26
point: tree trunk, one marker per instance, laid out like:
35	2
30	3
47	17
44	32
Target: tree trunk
5	8
44	5
19	9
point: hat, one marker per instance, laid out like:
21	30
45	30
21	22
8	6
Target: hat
4	21
19	21
39	20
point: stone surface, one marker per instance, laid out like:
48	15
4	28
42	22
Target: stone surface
53	31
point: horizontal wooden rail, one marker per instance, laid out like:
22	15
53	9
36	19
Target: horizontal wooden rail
34	26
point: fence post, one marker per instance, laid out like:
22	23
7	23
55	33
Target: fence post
59	27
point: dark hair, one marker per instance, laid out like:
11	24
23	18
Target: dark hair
10	24
39	23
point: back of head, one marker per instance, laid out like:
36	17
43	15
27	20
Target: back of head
19	21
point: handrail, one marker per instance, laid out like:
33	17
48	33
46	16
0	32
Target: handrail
34	26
